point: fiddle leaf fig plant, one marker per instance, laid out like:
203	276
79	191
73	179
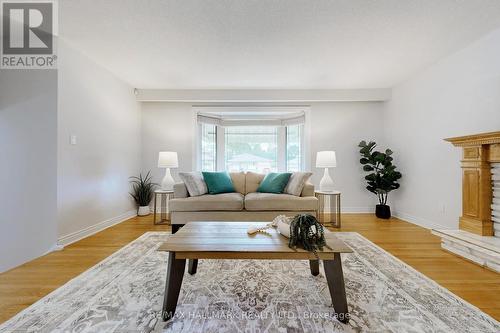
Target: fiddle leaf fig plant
382	175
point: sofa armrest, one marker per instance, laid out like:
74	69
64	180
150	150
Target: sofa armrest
308	190
180	191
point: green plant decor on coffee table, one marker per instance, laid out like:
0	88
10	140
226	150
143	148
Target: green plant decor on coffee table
142	189
308	233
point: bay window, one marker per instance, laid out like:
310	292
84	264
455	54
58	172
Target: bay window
251	148
260	143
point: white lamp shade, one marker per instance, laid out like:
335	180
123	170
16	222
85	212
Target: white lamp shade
168	159
326	159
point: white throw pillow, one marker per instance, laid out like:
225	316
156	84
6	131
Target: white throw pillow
296	183
195	183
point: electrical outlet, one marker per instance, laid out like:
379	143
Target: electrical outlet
72	139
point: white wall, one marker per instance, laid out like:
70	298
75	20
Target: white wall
101	110
337	126
460	95
340	127
166	127
28	166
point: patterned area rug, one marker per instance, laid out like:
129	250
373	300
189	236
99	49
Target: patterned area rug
124	293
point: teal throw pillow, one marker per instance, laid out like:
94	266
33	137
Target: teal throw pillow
274	182
218	182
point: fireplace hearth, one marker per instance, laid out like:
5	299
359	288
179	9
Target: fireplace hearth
478	239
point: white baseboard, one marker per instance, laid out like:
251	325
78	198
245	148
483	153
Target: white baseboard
56	247
357	210
354	210
93	229
428	224
400	215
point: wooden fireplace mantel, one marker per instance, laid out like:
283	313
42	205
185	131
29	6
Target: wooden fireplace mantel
479	151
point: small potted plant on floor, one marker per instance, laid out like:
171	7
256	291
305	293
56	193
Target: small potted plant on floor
382	177
142	192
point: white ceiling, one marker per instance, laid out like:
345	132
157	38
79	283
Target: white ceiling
335	44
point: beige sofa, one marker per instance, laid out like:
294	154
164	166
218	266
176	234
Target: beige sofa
246	204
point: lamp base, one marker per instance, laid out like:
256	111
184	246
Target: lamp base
326	183
167	184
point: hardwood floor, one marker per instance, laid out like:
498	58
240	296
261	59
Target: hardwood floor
24	285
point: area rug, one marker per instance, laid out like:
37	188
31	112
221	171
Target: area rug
124	293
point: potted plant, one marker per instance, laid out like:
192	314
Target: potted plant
302	230
142	192
382	177
306	232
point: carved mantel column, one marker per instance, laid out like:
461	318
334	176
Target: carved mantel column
479	151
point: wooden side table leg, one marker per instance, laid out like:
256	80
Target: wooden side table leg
314	266
333	210
338	211
154	211
167	207
163	207
175	273
336	285
321	209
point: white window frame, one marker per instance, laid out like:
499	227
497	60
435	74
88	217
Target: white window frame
281	158
302	148
220	151
282	143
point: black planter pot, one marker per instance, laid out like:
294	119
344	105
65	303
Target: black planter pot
383	211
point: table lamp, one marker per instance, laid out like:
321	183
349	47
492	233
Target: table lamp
167	159
326	159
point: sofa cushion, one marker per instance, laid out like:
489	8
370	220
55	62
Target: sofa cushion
274	182
218	182
195	183
297	182
180	190
308	190
253	181
287	202
238	179
208	202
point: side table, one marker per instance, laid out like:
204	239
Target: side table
329	208
165	197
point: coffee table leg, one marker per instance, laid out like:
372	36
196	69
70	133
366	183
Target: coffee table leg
335	279
192	266
175	272
314	265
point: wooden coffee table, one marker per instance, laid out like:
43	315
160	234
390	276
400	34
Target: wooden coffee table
229	240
